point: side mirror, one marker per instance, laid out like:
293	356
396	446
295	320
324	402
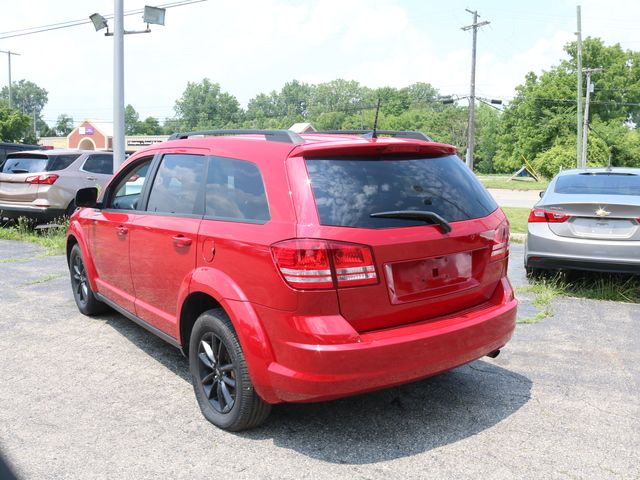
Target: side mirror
87	197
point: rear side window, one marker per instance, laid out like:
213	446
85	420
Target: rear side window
25	164
599	184
101	164
178	187
348	190
60	162
235	191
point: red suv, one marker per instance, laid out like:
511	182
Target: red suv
297	268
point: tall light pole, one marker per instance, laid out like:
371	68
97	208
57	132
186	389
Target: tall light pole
472	96
585	127
118	83
579	75
152	15
9	53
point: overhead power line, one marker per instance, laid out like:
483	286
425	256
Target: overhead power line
75	23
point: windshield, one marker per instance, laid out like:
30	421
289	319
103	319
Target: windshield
599	184
25	164
348	190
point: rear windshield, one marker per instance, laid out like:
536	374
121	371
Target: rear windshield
599	184
348	190
25	163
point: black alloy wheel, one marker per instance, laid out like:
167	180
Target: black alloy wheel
220	376
83	295
217	373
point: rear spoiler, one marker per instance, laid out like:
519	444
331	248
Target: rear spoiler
377	148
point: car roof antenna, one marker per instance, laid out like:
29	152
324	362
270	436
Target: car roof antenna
374	134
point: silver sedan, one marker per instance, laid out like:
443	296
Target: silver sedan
587	219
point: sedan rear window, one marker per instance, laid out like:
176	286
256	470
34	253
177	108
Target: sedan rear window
348	190
600	183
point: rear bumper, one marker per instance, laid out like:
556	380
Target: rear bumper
11	210
306	372
546	250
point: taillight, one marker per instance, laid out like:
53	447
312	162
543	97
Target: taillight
538	215
44	179
316	264
500	247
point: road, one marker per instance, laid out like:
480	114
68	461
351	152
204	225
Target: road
101	398
515	198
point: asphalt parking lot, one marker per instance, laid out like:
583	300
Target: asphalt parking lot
102	398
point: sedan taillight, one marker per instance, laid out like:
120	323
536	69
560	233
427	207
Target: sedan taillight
538	215
310	264
44	179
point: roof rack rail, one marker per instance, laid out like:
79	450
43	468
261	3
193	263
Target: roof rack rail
390	133
285	136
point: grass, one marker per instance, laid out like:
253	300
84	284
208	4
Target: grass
517	218
53	239
520	183
594	286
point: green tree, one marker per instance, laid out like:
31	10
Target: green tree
26	97
64	125
149	126
131	120
543	114
205	105
15	126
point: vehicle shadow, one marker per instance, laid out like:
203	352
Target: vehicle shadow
400	421
379	426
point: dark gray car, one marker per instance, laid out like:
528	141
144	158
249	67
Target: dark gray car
588	219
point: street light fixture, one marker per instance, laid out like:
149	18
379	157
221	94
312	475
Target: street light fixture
99	22
152	15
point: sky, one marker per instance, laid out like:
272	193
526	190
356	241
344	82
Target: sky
252	47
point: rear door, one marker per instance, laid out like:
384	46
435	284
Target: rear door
423	270
164	239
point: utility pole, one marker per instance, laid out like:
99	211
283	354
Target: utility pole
579	75
118	84
585	127
472	96
9	53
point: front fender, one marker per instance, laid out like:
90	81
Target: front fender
75	232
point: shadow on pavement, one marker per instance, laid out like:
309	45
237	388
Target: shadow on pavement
379	426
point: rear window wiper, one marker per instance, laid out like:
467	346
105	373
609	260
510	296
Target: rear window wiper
424	215
19	170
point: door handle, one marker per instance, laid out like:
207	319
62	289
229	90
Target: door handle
93	179
181	241
122	231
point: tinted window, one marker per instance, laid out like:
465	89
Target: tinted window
129	188
178	185
25	164
348	190
102	164
235	191
60	162
599	184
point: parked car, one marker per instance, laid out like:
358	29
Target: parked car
42	184
588	219
298	268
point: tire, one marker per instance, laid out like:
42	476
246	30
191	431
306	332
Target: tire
534	273
83	295
220	377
